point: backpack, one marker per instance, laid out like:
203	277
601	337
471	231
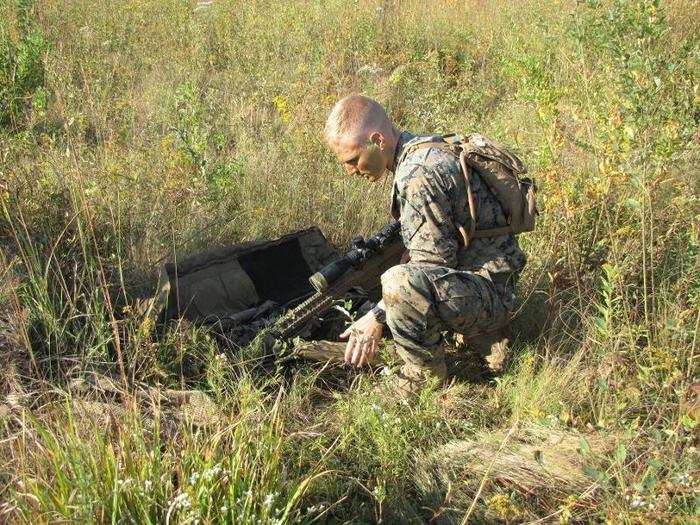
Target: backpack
502	172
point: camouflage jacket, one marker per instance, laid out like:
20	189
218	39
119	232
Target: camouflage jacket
429	198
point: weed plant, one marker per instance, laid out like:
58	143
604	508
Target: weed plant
136	132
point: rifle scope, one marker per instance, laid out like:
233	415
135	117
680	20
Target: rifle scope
361	251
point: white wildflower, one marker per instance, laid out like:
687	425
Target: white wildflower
683	479
370	69
315	508
194	477
212	473
270	499
637	502
379	411
181	501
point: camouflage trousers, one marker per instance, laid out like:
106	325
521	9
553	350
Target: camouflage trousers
423	301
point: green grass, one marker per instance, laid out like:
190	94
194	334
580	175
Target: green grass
136	132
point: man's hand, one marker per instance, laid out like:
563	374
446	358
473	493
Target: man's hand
363	340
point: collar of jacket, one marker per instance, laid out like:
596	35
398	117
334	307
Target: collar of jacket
404	138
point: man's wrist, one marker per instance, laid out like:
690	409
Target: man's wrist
379	314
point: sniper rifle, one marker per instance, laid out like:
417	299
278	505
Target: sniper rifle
361	266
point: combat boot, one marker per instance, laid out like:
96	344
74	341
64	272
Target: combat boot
493	348
412	377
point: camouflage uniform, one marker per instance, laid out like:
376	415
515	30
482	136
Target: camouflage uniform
445	286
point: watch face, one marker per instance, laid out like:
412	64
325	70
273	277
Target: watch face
478	140
379	314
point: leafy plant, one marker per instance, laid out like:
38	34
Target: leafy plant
22	71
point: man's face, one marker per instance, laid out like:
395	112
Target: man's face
366	159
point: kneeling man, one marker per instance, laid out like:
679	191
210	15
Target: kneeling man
451	282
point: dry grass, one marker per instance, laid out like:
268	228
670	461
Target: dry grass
507	473
136	132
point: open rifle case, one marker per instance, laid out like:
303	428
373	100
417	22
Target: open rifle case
241	289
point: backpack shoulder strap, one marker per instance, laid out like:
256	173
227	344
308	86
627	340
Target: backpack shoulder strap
441	145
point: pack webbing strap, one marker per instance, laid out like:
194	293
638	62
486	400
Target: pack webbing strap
492	232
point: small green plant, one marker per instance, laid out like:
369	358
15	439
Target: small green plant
22	72
190	127
609	305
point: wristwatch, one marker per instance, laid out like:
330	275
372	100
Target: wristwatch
379	314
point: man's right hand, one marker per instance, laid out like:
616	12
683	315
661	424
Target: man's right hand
363	340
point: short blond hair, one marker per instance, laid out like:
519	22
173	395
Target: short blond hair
353	114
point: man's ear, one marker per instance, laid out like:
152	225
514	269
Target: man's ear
378	138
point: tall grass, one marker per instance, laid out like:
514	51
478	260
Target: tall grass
135	132
135	472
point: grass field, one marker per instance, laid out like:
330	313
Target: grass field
135	132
